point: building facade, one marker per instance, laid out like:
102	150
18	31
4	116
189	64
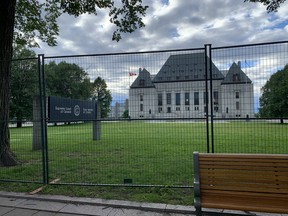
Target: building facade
178	90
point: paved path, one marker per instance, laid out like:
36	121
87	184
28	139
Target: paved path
21	204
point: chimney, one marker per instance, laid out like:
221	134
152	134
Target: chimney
239	64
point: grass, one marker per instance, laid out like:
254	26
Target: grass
148	153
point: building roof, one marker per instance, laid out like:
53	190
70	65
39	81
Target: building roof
236	76
189	67
143	80
186	67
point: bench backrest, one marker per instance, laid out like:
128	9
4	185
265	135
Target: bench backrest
243	174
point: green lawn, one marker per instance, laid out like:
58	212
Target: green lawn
149	153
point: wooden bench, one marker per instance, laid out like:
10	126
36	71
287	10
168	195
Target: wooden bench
246	182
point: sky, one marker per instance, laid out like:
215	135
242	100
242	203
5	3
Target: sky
174	24
170	25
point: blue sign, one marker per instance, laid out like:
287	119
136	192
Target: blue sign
65	109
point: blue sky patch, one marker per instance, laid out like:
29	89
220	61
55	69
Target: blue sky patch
165	2
279	25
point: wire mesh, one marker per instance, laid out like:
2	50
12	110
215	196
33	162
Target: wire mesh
156	109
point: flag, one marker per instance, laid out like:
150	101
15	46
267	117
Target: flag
132	74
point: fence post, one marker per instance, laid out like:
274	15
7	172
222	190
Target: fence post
43	119
209	91
207	98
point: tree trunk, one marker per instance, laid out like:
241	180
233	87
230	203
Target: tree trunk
7	20
19	123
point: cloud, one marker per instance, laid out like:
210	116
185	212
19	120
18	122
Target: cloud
175	24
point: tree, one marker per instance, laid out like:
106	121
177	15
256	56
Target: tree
125	114
67	80
24	84
102	96
272	5
24	20
274	100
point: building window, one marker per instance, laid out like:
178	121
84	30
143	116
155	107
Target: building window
227	110
196	108
187	108
178	99
159	109
236	77
168	109
141	97
216	97
187	98
237	94
160	99
141	107
168	98
141	82
178	109
205	101
196	98
216	108
237	105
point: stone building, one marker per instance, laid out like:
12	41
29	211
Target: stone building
178	90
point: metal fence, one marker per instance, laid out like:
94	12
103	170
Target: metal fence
164	106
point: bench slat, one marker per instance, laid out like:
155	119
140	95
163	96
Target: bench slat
241	156
267	204
247	163
245	193
257	181
245	187
245	175
248	182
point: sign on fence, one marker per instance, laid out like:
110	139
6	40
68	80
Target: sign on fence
65	109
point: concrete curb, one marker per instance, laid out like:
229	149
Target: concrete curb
155	207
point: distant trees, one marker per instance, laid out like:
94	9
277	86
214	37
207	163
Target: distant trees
67	80
102	95
125	114
23	81
22	21
63	79
274	100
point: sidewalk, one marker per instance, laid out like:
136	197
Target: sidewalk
21	204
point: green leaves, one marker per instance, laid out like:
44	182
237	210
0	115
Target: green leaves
67	80
36	20
128	18
272	5
274	100
24	84
102	95
39	20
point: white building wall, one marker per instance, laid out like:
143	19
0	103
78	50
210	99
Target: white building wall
245	100
226	99
148	103
182	110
